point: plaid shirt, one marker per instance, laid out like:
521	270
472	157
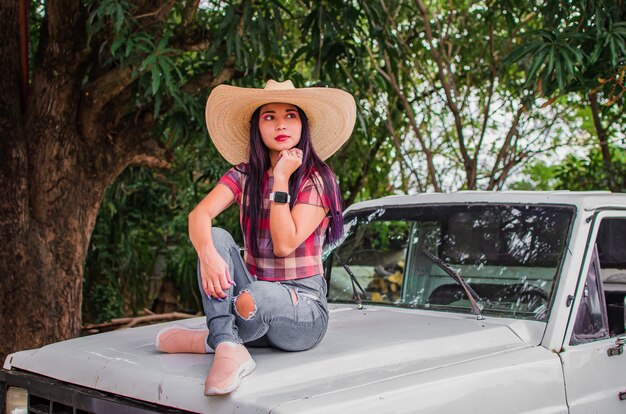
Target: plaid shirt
306	259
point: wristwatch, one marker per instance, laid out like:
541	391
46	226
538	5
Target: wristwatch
280	197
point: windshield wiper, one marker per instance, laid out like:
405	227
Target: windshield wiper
356	296
471	294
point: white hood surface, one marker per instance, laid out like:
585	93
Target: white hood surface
361	347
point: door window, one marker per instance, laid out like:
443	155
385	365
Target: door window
591	320
601	310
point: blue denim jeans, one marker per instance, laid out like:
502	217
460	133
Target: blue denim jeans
289	315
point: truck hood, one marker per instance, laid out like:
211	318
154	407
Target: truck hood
361	347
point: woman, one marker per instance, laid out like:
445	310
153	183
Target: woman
277	138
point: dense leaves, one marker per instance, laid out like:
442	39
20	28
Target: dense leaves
574	46
578	49
446	95
141	235
587	172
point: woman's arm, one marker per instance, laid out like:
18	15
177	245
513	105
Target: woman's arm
213	268
290	228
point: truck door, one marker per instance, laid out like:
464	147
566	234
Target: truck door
593	357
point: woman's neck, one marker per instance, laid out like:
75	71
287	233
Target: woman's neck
273	161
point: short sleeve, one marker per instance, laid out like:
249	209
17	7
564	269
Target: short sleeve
312	192
233	179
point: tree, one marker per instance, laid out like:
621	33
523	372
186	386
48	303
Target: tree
140	239
435	92
111	84
119	83
588	173
578	48
143	219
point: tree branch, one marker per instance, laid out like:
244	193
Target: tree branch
504	150
390	77
358	183
487	107
189	13
402	155
209	80
451	91
151	16
151	154
602	139
97	94
61	15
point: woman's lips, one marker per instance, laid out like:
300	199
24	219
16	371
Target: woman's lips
282	138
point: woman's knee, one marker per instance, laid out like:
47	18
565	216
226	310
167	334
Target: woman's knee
253	298
245	305
219	234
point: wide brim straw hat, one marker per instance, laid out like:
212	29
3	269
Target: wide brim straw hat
331	115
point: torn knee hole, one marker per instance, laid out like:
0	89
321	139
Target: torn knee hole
294	297
245	305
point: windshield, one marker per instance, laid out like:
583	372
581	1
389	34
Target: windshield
510	255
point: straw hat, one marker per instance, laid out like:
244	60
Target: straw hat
331	114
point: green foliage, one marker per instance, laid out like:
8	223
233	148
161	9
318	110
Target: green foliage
573	46
144	216
103	302
555	55
376	50
540	176
384	236
125	242
586	173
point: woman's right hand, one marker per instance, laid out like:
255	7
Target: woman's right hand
215	275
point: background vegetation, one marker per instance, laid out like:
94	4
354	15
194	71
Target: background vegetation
452	95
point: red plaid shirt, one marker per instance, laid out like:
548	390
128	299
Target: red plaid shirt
306	259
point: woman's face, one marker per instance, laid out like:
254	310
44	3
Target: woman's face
280	126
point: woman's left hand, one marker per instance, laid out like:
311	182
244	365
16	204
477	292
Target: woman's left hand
288	161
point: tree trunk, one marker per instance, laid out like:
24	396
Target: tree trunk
54	169
49	203
59	152
603	141
13	170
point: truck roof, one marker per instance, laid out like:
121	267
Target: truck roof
584	200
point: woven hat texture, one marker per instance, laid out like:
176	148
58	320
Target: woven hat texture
331	114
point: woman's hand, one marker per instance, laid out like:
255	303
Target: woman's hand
214	274
288	161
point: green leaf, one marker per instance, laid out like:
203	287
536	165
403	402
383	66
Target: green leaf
613	52
566	61
559	75
147	63
551	59
156	77
157	105
116	45
536	64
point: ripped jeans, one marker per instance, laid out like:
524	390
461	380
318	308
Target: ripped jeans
290	315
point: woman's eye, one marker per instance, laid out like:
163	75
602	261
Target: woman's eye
268	117
291	115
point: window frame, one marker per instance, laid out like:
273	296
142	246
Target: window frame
595	220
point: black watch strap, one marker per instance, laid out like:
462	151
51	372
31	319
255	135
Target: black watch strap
280	197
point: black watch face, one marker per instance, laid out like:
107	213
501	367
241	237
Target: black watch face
280	197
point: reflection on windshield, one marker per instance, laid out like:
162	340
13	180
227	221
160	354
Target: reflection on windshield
509	254
365	218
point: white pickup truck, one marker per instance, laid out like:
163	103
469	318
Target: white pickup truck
474	302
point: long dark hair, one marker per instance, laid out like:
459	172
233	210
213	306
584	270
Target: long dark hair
259	163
